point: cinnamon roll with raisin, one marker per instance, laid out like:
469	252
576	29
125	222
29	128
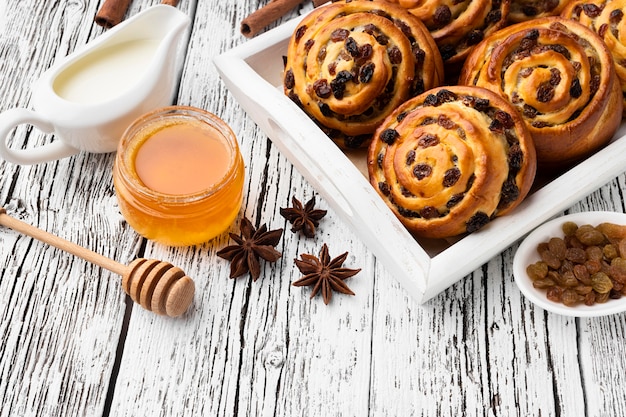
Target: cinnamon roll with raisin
349	64
560	76
458	25
524	10
606	18
450	160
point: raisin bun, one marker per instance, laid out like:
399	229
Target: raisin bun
606	18
458	25
450	160
560	75
349	64
524	10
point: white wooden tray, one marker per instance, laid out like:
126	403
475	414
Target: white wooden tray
253	74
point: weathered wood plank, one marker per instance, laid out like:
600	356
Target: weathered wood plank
61	317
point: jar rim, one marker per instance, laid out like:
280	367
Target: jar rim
132	138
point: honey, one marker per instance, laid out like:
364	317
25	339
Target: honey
179	176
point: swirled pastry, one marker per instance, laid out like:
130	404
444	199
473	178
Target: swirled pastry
349	64
606	18
524	10
560	76
458	25
450	160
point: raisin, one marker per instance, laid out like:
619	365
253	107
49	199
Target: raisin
325	109
454	200
338	85
543	283
550	259
352	47
447	51
591	10
442	16
504	118
389	136
339	35
570	298
616	16
474	37
575	89
602	29
395	56
589	235
476	222
515	157
427	140
300	32
445	122
445	96
410	157
321	88
601	283
419	55
382	39
422	171
595	84
537	270
493	16
332	68
366	72
384	188
545	93
569	228
576	255
555	77
509	193
365	51
451	177
290	81
431	100
554	294
429	212
558	247
309	44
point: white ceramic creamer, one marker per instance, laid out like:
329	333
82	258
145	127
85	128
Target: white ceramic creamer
90	97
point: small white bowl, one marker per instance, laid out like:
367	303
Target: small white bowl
527	254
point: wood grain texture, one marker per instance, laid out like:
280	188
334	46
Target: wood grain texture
71	345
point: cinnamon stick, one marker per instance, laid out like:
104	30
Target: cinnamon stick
266	15
111	13
317	3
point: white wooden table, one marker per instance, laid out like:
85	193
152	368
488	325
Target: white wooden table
72	344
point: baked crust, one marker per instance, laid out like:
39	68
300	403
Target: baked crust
560	75
349	64
457	26
450	160
606	18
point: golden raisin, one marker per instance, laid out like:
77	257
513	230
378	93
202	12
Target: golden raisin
569	228
537	270
588	235
601	283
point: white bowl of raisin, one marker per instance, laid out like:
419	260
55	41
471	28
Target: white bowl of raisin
575	265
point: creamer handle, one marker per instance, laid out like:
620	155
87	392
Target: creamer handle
45	153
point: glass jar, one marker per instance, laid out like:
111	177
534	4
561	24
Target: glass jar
154	150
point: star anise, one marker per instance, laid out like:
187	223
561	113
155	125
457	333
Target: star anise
324	274
251	245
303	218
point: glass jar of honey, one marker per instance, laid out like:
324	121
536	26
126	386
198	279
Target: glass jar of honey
179	175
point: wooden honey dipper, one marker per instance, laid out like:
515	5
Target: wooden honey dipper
157	286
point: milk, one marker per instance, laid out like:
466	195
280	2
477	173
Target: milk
107	73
